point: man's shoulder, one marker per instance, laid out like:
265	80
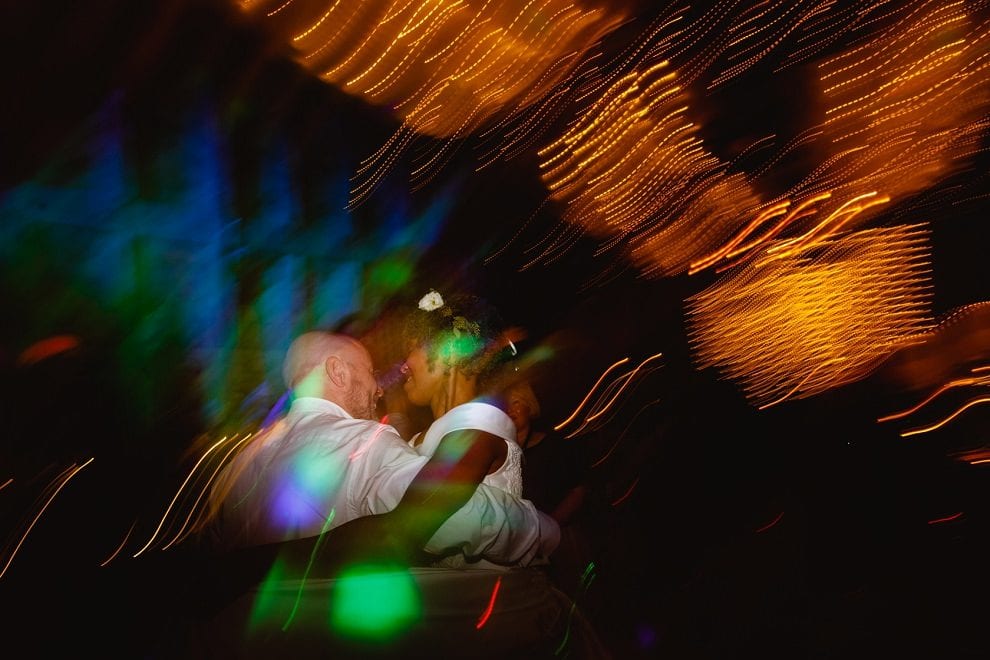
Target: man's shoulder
330	420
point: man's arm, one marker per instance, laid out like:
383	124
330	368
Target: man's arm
446	508
451	510
444	484
500	527
447	481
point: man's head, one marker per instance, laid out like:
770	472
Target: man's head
333	367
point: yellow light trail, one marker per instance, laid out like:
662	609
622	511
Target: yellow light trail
797	326
175	498
444	67
959	382
946	420
56	487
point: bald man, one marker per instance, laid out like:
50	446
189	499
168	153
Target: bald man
328	463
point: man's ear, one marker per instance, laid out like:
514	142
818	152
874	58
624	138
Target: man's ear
336	371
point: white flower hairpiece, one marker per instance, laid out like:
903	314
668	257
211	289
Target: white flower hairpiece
431	301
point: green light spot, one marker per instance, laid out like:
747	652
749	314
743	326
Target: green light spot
374	603
460	348
265	611
390	274
316	473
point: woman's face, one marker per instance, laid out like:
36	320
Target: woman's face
421	382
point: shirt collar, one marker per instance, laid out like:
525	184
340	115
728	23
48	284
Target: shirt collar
307	405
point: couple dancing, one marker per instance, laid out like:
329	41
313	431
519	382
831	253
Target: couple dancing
329	488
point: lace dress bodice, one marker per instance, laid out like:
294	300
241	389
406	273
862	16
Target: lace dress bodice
484	417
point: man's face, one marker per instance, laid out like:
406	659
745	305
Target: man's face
362	398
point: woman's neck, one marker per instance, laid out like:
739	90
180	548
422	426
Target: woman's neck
457	389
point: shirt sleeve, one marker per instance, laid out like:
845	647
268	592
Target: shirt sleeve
492	523
390	468
502	528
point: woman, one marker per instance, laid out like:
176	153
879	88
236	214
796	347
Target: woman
455	347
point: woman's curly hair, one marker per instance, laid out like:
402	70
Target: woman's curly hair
461	330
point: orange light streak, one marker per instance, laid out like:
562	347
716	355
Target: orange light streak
959	382
845	212
940	424
797	326
628	378
194	509
66	475
623	434
726	250
588	395
175	498
626	495
113	555
444	67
